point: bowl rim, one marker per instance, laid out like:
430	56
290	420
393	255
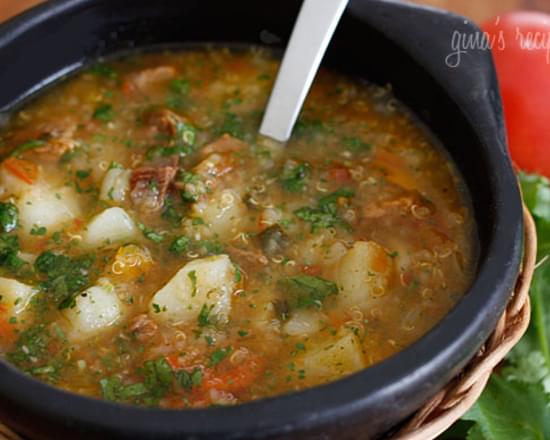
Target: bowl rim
323	404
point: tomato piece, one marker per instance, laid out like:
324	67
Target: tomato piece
311	270
521	48
340	174
23	169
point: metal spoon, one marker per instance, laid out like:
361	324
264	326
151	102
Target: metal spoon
310	37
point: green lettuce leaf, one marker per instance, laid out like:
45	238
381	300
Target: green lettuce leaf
516	403
509	409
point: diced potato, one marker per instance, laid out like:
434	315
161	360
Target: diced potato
113	225
206	282
11	185
333	359
363	273
320	249
15	296
224	213
115	185
51	208
97	309
303	323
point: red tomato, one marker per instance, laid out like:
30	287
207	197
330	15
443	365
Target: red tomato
521	48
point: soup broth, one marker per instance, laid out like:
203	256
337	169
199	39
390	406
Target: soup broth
154	250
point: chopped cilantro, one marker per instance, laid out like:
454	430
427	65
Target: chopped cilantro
64	276
180	86
356	144
293	180
219	355
9	217
204	315
38	230
83	174
211	247
151	234
104	113
180	245
103	70
325	214
232	124
238	274
305	291
193	277
188	380
9	248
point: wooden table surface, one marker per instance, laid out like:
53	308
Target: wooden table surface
477	9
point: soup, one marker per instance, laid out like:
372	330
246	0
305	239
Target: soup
156	251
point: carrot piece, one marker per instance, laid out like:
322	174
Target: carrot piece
23	169
7	333
236	378
173	361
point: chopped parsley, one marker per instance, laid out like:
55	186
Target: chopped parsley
325	214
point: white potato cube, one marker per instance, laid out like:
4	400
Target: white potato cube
11	185
15	296
206	282
334	358
223	212
303	323
51	208
97	308
363	273
113	225
115	185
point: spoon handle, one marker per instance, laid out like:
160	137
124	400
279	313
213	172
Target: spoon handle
309	40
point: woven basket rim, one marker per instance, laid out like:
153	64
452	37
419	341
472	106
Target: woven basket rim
458	396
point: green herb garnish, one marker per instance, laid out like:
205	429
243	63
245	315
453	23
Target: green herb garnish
104	113
306	291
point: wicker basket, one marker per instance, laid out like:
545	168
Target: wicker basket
447	406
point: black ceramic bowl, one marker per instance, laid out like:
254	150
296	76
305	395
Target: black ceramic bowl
383	41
